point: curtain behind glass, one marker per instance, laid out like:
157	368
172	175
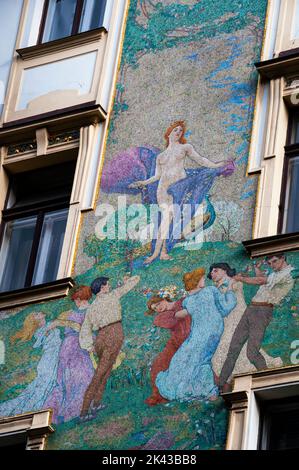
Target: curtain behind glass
293	197
50	247
60	19
92	14
16	249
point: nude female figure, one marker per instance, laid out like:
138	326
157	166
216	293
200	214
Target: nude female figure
170	168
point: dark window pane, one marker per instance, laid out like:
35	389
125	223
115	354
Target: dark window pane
92	14
43	185
282	428
285	431
15	252
13	442
291	218
294	135
60	18
50	247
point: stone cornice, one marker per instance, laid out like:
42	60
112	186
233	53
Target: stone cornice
69	42
271	245
39	293
278	67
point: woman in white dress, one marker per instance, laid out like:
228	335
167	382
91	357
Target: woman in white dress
221	274
34	395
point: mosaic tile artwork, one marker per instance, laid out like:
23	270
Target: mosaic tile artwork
135	356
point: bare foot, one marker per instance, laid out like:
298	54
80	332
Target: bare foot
150	259
165	257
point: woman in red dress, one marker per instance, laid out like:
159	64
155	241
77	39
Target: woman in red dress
180	330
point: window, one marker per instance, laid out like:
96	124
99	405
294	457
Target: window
59	93
264	410
289	208
27	431
274	150
13	442
62	18
279	425
34	223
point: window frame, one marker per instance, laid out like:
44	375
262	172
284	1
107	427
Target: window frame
279	72
75	25
39	210
284	43
35	425
249	391
267	410
291	151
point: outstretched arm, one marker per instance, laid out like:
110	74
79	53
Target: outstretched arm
153	179
258	271
196	157
129	284
255	281
63	321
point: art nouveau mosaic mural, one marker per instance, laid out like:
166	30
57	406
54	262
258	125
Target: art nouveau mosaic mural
166	308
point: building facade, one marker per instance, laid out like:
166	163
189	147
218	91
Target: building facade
149	189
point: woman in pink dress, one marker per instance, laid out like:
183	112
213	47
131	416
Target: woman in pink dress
75	368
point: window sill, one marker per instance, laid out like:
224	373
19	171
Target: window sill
271	245
59	45
39	293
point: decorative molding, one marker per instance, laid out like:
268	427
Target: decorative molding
272	245
63	137
42	141
33	294
69	42
70	241
55	121
279	67
276	89
36	426
20	148
238	397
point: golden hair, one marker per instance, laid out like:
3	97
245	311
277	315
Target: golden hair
173	126
82	293
30	325
192	278
153	301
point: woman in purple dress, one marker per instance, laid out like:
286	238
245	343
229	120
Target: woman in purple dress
75	367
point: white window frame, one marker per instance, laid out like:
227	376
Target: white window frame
285	41
243	401
274	98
